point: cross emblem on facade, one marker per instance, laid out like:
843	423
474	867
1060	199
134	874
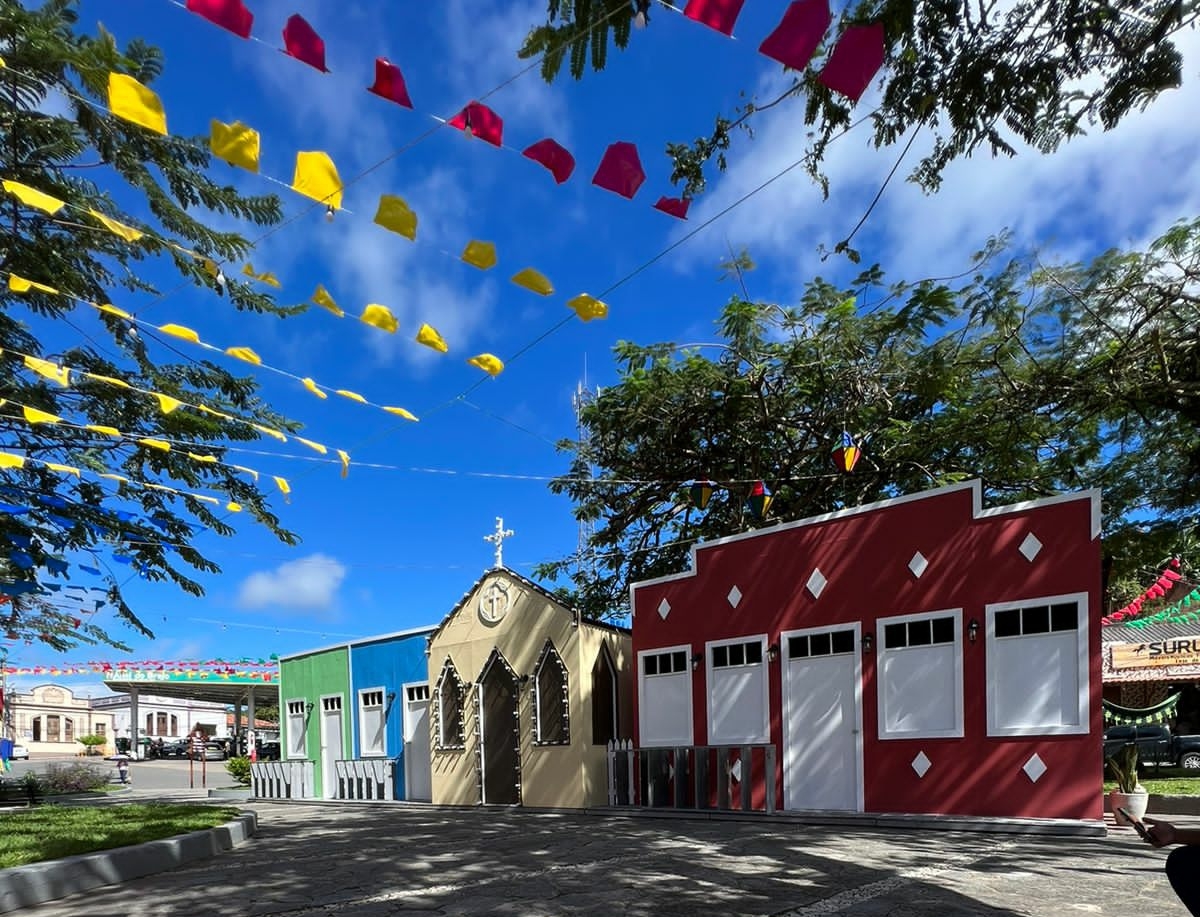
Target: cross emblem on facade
497	538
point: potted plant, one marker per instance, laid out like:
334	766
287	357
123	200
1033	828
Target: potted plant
1129	795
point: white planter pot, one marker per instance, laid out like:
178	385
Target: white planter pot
1133	803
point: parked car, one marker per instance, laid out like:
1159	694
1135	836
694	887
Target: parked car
20	753
1156	745
214	751
174	749
268	751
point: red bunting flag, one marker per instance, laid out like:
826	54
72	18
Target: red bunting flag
799	33
389	83
855	60
674	206
553	156
716	14
620	170
228	14
303	43
477	120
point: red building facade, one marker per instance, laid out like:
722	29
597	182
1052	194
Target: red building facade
917	655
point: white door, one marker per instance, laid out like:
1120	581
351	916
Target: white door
822	748
331	743
418	777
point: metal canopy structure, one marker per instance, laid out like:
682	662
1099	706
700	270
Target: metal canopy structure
221	689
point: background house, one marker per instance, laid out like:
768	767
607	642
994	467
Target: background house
50	718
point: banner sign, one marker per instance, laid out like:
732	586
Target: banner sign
1177	651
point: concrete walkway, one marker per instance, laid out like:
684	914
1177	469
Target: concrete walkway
368	861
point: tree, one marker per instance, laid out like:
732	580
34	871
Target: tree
974	75
92	160
92	744
1034	379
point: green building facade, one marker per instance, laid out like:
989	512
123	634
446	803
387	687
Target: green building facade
315	712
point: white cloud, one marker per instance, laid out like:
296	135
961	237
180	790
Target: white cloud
308	584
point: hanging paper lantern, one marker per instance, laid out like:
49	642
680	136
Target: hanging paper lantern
847	454
760	500
553	156
389	83
701	492
620	171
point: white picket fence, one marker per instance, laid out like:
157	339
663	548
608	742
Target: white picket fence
692	776
281	780
365	779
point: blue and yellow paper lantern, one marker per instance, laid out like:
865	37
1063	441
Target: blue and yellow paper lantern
846	455
760	500
701	492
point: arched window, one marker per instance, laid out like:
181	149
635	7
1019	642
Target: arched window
149	724
160	724
53	728
174	725
604	699
68	729
551	722
449	717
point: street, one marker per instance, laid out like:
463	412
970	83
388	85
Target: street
166	774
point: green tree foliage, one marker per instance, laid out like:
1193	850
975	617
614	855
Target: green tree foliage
58	137
1034	379
976	75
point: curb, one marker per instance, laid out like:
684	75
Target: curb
24	886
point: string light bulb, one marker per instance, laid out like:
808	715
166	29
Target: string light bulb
329	213
641	13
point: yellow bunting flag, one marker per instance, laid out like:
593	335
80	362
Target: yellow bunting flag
396	215
99	428
429	336
113	310
245	470
21	285
533	280
315	447
322	298
196	457
181	332
8	460
353	396
166	403
205	409
490	364
160	444
269	432
31	197
314	388
345	457
63	469
245	354
401	412
33	415
49	370
316	177
379	317
235	143
115	477
284	487
119	383
588	307
130	100
233	507
117	228
480	254
206	499
265	277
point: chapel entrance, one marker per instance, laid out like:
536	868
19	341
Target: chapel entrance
499	728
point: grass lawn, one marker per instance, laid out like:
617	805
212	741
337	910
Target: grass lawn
1169	781
50	832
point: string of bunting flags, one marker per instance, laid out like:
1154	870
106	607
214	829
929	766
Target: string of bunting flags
1166	581
856	56
134	671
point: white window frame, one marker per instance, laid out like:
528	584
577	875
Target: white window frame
761	735
550	656
686	649
302	752
881	651
1083	671
383	710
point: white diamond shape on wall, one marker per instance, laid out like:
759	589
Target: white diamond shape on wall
664	609
918	564
735	770
921	764
1034	768
735	596
1030	547
816	583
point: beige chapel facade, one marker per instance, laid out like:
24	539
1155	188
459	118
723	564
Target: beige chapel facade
525	696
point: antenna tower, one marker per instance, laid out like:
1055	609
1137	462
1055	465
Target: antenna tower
581	398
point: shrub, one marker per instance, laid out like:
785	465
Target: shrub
92	744
73	778
239	770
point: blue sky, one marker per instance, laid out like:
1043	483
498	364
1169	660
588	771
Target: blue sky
395	546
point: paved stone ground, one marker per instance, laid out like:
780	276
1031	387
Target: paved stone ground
321	861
